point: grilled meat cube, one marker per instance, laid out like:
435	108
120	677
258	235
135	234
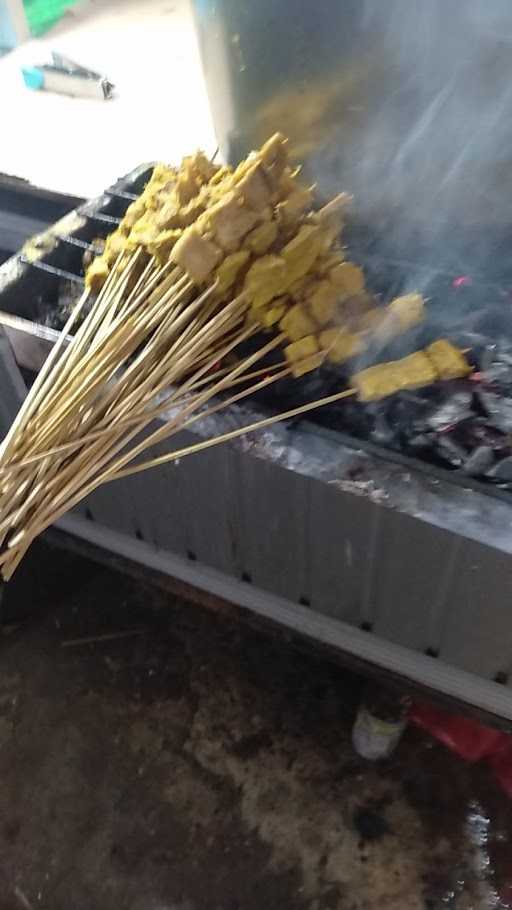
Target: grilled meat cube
162	244
274	155
322	303
261	238
340	345
254	187
408	310
196	255
268	316
297	323
230	220
133	213
448	361
115	244
143	233
332	213
290	210
203	168
347	278
303	355
265	279
187	184
328	261
97	274
168	217
411	372
228	270
301	252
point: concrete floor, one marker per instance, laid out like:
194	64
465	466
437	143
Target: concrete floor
148	48
199	764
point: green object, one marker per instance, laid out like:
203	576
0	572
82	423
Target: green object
42	14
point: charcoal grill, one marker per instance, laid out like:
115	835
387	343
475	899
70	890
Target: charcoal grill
396	562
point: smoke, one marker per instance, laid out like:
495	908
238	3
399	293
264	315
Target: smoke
428	150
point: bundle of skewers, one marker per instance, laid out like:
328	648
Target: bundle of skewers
207	258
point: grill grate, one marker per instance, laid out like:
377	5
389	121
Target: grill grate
473	309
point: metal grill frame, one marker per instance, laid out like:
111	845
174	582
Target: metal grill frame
407	570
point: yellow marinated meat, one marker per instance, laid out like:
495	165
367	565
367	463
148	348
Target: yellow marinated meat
287	183
322	303
254	187
297	323
371	319
168	217
230	220
274	154
265	279
290	210
187	184
203	168
261	238
142	234
411	372
328	261
251	231
301	253
340	345
196	255
407	311
190	212
223	172
162	244
303	288
300	349
347	278
308	364
162	173
97	274
229	269
268	316
303	356
133	213
115	244
447	360
333	212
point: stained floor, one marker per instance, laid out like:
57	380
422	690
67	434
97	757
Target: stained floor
158	756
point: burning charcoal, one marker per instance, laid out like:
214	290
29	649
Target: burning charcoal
381	431
451	412
499	373
407	413
450	451
504	353
476	432
502	472
486	357
420	442
479	461
497	409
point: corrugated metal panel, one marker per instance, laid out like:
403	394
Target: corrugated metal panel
273	522
477	633
339	537
412	560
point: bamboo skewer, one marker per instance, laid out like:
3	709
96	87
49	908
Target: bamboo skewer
233	434
164	459
152	345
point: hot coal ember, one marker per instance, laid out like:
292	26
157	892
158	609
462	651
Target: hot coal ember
464	425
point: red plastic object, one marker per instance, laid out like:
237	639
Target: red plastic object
469	739
501	764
